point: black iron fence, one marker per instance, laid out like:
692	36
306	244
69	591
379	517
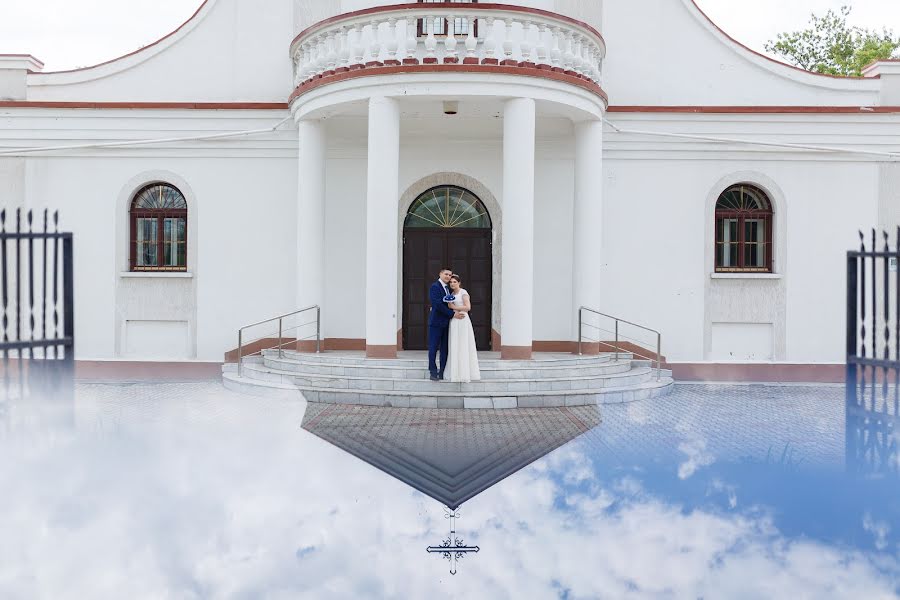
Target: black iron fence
37	326
873	355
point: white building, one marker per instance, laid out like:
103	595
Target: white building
589	146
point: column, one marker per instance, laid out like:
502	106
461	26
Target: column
587	228
310	225
382	228
517	269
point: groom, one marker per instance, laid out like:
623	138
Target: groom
439	324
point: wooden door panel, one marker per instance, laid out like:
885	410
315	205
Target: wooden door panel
425	252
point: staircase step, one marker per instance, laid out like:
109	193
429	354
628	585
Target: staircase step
421	372
616	395
625	375
334	358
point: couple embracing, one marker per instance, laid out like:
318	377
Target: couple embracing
450	331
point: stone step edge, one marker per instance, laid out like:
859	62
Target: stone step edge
665	382
625	373
318	358
424	365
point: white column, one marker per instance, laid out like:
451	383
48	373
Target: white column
587	228
382	228
517	271
311	221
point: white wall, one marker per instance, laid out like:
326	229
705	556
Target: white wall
245	208
232	51
657	230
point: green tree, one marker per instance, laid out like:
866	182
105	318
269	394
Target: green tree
830	45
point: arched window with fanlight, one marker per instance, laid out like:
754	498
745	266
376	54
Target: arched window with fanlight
158	217
447	207
744	230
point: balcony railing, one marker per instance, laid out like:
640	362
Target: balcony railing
503	35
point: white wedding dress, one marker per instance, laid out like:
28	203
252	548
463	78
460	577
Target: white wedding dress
462	364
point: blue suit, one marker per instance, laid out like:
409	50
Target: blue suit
438	329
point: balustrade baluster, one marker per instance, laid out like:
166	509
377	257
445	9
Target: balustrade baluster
302	75
556	52
412	42
430	42
578	60
344	53
359	48
541	50
526	45
490	43
508	44
308	62
472	42
450	55
393	43
568	55
298	67
321	56
375	45
331	55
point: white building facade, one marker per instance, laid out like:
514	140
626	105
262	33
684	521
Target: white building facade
621	155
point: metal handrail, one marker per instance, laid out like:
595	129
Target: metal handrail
280	319
617	320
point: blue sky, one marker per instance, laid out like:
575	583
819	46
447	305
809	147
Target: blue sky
66	34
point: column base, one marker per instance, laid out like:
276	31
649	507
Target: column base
381	351
515	353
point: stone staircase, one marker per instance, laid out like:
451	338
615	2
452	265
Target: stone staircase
550	380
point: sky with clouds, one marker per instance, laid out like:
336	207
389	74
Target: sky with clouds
66	34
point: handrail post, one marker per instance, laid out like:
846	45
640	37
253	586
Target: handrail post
580	321
280	344
240	348
617	340
318	329
658	356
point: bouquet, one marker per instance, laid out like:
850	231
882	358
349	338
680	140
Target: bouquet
449	298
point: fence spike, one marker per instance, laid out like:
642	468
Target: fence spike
56	221
3	221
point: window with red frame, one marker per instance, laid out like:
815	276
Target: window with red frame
159	229
440	26
744	230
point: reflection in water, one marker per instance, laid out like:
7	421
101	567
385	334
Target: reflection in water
873	422
449	455
189	491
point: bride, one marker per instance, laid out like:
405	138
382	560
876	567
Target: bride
463	359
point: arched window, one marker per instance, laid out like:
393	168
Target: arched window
448	207
159	229
744	230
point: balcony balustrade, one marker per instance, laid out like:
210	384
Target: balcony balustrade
489	36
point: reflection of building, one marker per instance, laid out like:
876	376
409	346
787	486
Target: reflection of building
451	456
558	153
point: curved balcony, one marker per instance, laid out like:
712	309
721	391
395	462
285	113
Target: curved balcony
470	38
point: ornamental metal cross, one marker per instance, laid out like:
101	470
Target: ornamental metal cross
453	548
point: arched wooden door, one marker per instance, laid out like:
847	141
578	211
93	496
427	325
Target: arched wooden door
446	226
